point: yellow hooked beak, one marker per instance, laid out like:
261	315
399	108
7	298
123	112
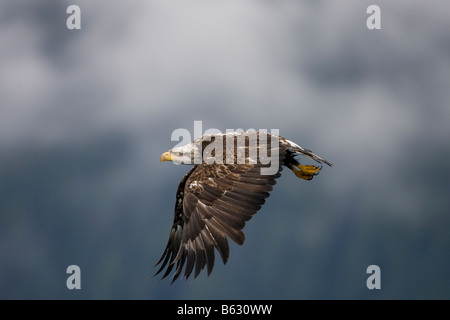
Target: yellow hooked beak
166	156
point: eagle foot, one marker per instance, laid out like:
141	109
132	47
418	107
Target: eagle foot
305	172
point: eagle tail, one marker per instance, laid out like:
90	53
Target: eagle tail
295	148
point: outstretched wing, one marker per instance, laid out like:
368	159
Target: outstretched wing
213	202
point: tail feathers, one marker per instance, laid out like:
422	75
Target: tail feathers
313	156
295	148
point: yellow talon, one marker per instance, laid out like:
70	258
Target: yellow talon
308	169
306	172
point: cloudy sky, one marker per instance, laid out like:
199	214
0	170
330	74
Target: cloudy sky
85	114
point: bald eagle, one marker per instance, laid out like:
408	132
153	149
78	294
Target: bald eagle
230	179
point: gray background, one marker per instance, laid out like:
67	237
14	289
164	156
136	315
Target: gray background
85	115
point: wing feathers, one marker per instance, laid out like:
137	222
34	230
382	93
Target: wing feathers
216	203
219	239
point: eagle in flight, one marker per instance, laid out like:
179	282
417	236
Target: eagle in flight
231	177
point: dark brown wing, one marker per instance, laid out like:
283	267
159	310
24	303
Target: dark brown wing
177	229
213	202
